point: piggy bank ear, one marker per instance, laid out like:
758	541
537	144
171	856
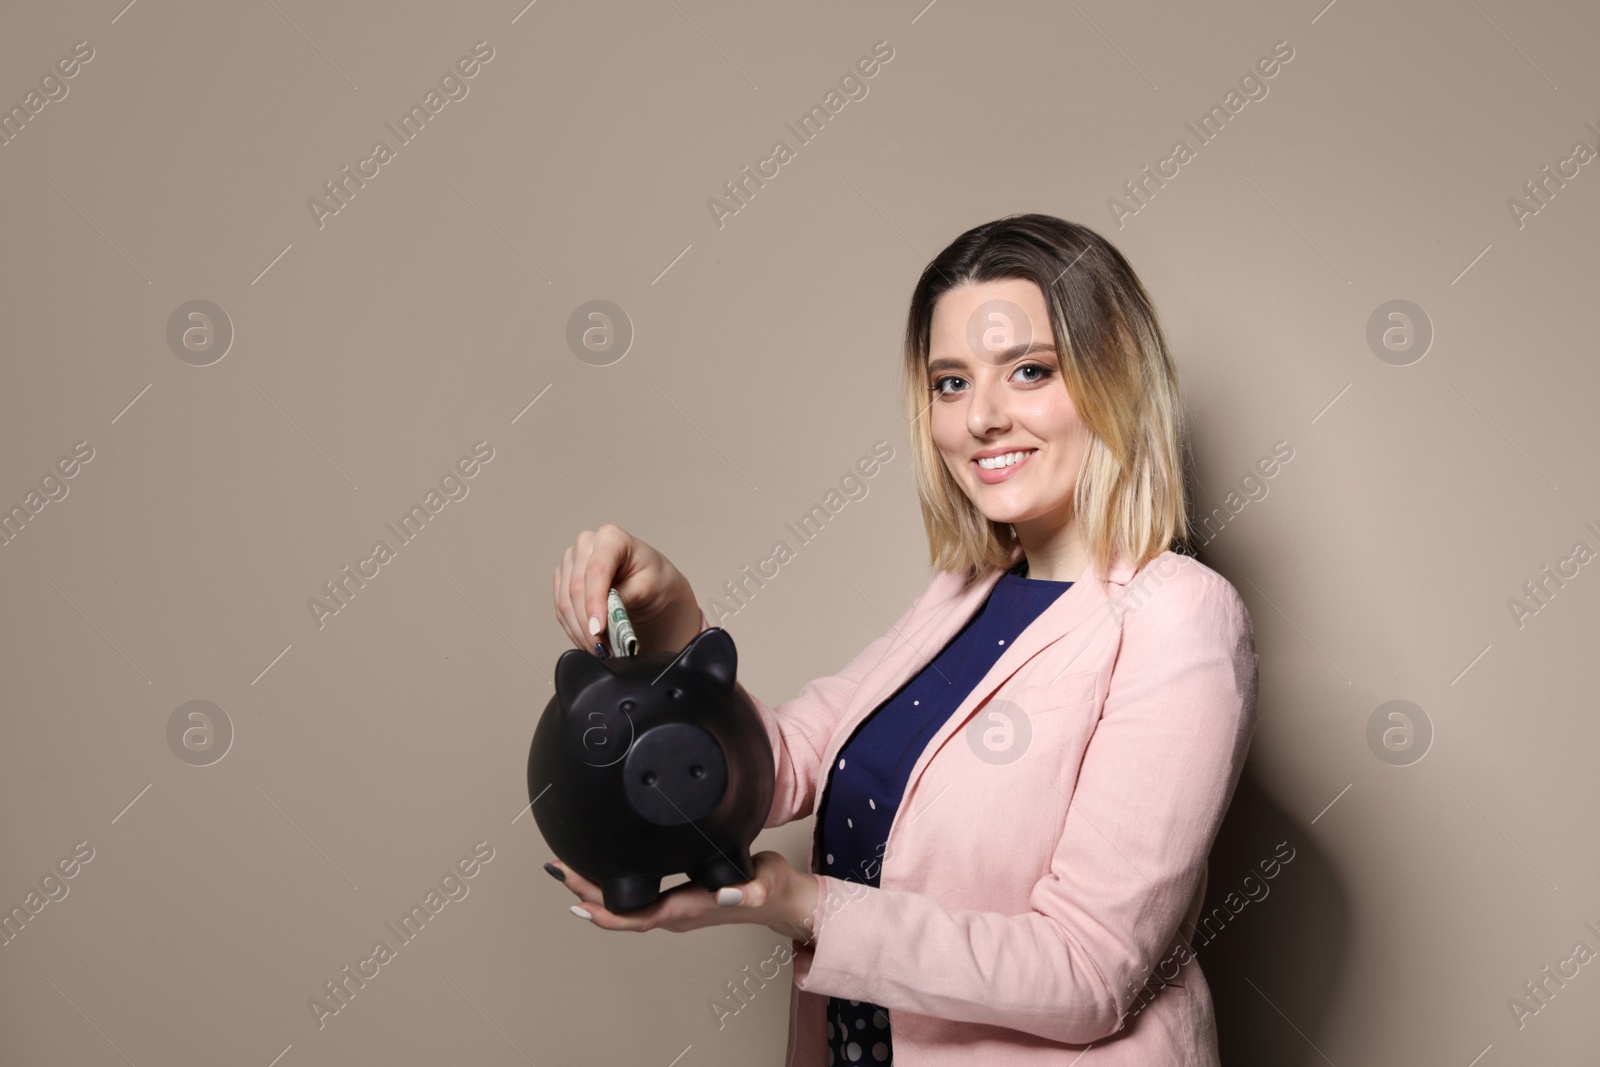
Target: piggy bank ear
710	654
576	671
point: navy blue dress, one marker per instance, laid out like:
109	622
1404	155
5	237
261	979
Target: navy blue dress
866	783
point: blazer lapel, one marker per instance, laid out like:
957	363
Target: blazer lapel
928	636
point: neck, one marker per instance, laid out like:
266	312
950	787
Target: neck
1054	555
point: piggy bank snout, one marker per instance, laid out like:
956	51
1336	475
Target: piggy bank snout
674	773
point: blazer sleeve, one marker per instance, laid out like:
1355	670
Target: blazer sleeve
1154	782
799	729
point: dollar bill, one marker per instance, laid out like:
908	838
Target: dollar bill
623	641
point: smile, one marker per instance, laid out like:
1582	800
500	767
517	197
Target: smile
993	469
991	463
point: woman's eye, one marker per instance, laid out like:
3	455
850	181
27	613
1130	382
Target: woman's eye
1042	372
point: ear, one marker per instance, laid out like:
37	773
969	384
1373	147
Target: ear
710	654
576	671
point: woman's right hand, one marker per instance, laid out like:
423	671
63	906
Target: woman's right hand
659	601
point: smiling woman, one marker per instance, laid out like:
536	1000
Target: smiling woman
999	898
1033	335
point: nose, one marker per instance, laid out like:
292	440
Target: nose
986	411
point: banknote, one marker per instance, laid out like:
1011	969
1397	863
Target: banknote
620	630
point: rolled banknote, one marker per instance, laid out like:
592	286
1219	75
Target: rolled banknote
619	629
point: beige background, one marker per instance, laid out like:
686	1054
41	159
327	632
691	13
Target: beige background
369	354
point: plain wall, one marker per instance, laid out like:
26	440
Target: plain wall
370	351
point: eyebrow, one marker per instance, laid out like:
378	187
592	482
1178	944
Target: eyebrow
1006	356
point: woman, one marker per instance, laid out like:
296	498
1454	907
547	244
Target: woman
1017	894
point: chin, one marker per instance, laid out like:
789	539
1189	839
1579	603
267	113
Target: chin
1011	517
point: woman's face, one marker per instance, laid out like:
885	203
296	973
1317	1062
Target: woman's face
995	387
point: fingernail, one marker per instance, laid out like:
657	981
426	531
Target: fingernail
580	913
600	651
556	872
729	895
594	625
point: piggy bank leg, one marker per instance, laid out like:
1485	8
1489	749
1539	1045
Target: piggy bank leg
734	869
630	892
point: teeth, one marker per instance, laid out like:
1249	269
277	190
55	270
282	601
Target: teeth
994	463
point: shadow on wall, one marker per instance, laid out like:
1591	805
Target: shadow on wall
1278	937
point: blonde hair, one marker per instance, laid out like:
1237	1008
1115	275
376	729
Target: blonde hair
1130	499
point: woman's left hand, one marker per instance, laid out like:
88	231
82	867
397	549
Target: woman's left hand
779	897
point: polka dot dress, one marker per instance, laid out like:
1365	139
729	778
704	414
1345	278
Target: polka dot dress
857	1033
866	782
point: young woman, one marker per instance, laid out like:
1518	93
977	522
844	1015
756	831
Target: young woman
1017	786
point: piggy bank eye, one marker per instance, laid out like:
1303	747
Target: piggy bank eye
674	692
626	705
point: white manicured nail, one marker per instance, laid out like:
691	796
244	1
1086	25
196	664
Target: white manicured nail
594	626
581	913
729	895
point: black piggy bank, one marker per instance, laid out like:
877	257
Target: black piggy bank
649	765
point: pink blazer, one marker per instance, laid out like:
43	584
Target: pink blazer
1050	850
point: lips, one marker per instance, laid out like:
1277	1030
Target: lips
1000	474
1022	453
